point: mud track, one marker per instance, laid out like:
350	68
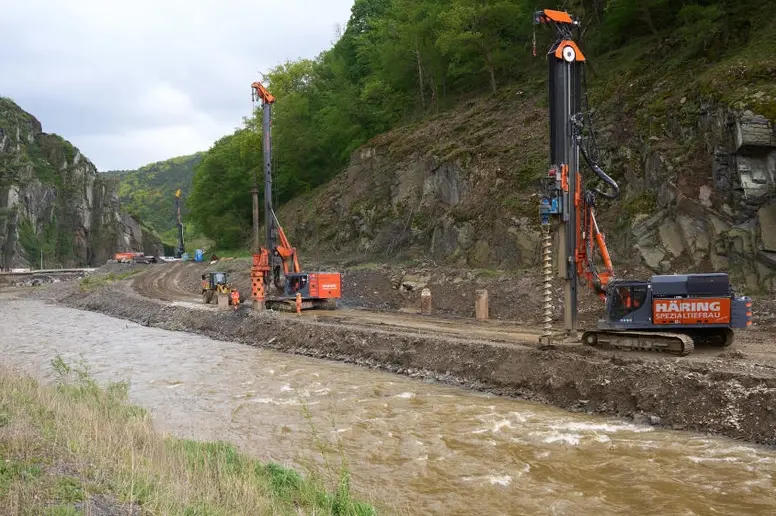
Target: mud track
712	392
164	283
175	282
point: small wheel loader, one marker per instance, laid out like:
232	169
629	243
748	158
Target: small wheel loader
215	283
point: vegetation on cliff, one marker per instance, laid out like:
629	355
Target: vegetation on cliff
401	61
76	448
148	192
54	209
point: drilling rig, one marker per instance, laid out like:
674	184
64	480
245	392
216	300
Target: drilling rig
179	250
669	313
277	264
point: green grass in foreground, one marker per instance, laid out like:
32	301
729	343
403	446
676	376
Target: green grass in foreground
76	448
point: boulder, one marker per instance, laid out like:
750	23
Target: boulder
696	237
445	184
445	239
466	236
741	239
412	282
766	217
653	256
705	195
480	254
754	131
671	237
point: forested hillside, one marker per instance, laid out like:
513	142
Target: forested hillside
148	193
680	92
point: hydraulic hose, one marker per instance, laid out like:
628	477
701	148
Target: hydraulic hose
602	175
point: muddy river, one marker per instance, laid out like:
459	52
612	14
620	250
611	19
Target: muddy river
411	446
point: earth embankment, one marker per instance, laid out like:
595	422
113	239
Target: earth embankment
731	392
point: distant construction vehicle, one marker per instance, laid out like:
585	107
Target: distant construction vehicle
179	250
134	257
278	263
668	313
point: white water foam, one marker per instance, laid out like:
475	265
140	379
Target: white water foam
575	426
572	439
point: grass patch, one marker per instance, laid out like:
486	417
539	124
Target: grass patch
91	282
74	448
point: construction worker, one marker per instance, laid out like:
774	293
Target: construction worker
235	299
298	303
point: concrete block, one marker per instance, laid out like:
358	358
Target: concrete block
481	305
425	301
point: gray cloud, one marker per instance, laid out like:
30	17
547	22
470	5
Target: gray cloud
135	82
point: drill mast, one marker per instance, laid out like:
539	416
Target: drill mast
259	92
564	198
180	249
282	256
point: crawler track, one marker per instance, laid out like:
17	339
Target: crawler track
671	343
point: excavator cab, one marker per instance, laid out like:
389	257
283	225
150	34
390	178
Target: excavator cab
624	299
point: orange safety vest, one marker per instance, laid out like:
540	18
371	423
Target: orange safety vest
235	297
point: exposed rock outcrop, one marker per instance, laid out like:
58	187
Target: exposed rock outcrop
730	224
415	192
54	206
697	192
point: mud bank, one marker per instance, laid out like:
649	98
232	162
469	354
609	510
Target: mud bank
712	397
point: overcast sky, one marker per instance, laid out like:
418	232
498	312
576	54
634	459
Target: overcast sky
130	83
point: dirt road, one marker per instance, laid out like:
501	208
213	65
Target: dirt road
173	282
179	282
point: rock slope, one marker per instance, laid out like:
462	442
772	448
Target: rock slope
691	141
54	206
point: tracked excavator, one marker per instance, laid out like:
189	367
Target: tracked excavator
277	264
667	313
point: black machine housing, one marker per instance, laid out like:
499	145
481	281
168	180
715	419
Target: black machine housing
641	296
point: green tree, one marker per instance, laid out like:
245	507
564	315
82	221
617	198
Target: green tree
485	28
220	199
404	50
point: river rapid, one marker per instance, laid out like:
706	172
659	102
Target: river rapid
411	446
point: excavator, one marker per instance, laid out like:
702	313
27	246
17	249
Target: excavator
667	313
278	263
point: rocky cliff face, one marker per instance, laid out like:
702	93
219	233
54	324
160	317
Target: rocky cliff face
453	188
725	219
698	190
54	203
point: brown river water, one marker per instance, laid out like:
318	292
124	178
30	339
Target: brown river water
414	447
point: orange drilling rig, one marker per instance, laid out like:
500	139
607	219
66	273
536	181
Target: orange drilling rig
277	264
669	313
